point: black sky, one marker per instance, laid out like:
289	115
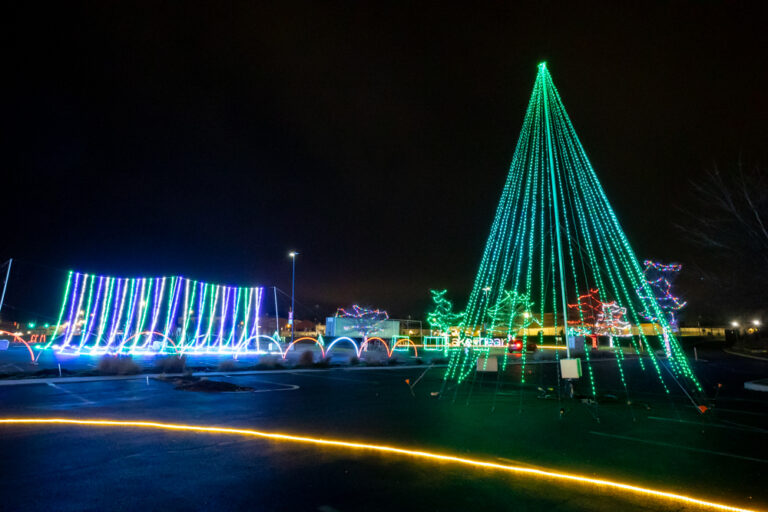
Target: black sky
207	139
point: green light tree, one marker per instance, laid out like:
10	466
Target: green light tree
442	317
555	236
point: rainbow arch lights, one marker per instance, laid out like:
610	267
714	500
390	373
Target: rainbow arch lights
113	315
18	339
389	348
555	237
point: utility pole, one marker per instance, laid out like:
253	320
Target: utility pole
293	255
277	315
5	285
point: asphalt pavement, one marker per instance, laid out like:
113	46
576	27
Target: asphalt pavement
658	440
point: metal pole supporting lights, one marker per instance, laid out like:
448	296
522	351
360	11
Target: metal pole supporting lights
293	255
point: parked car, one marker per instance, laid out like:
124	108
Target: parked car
516	345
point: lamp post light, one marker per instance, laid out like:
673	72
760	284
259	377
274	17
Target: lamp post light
292	255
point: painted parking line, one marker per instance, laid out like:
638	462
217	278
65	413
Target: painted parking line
738	411
284	387
748	356
745	428
679	447
83	400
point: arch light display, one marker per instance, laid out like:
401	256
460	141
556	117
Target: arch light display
113	315
170	315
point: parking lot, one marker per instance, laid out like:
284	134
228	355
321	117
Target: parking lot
658	441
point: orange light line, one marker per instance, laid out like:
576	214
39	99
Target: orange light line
541	473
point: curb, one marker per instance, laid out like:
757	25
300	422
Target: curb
233	373
744	355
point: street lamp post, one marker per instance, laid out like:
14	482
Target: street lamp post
293	255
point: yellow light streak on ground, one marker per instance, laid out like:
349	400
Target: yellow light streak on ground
538	473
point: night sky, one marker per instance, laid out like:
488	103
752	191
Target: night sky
209	139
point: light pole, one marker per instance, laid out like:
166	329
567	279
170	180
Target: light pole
487	290
293	255
7	275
